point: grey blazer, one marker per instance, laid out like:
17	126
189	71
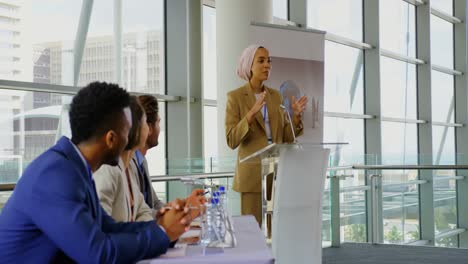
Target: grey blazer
144	182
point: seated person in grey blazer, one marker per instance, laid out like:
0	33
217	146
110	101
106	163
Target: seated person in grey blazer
139	163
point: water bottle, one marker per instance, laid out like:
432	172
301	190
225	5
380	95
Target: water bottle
223	197
213	228
224	202
208	227
218	202
219	218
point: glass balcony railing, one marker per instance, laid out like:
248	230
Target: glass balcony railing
375	200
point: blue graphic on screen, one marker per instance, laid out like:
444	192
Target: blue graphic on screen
288	89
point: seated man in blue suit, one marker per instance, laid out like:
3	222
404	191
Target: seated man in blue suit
54	213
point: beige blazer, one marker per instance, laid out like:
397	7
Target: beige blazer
114	195
249	139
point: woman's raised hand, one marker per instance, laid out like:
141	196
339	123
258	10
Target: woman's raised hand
299	106
256	107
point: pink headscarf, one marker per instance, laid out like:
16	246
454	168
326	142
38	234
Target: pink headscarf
245	62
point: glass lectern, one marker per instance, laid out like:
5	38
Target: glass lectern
293	178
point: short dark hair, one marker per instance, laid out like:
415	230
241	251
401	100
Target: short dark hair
150	104
96	109
137	114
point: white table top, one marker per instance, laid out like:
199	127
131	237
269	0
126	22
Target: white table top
251	248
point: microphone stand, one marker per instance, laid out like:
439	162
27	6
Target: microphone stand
290	122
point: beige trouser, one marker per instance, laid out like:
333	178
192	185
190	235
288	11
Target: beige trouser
251	204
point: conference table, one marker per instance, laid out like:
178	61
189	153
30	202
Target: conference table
251	248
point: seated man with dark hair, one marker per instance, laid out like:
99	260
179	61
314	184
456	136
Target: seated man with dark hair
139	163
54	213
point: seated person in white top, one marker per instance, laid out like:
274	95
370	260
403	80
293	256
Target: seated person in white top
116	186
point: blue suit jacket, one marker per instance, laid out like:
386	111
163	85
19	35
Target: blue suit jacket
54	211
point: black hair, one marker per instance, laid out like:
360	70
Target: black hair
150	104
96	109
137	114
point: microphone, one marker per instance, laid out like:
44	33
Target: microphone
290	122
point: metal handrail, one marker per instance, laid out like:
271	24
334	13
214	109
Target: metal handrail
450	233
7	187
155	178
410	167
339	168
227	174
404	183
355	188
447	178
69	90
162	178
216	175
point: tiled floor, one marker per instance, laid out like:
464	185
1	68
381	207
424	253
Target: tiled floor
354	253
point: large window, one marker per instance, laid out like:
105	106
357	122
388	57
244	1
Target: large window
30	125
398	27
404	129
401	105
344	94
398	89
32	40
210	134
346	130
344	107
341	17
398	97
343	81
211	161
36	48
98	62
400	202
443	152
443	5
280	9
442	97
209	57
398	101
400	145
441	42
37	43
443	118
157	155
141	58
445	203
